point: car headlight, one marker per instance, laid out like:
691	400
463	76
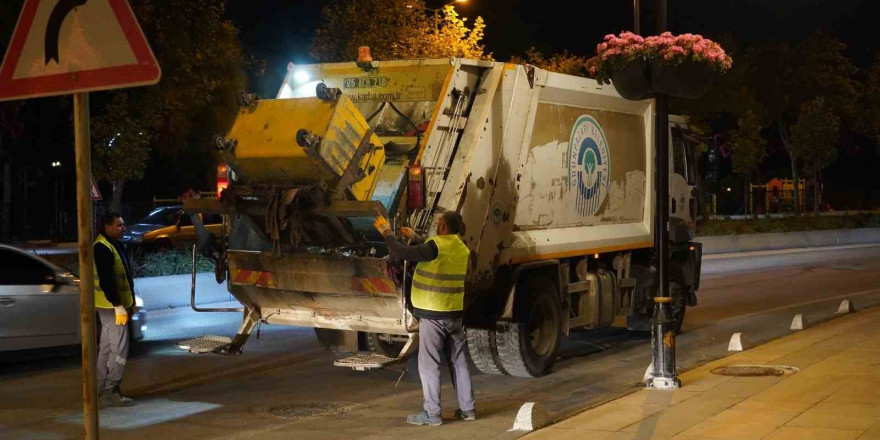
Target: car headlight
137	238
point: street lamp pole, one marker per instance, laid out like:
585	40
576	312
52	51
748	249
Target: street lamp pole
663	376
636	18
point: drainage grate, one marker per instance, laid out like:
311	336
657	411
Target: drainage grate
304	410
755	370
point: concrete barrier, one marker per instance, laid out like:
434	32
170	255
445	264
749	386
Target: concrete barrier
725	244
721	244
858	236
820	238
174	291
771	241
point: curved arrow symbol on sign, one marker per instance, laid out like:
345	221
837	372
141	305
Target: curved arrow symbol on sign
56	19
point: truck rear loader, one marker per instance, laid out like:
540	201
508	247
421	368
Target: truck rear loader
553	175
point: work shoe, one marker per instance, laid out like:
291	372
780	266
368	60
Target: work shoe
423	418
466	415
113	397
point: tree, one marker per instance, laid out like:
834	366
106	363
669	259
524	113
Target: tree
749	148
121	146
396	29
564	62
869	121
792	76
813	138
202	71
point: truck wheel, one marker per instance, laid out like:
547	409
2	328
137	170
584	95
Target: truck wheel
679	305
479	342
528	348
380	346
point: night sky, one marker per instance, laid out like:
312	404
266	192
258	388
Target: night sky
280	31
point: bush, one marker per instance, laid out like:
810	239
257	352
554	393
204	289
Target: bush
170	262
787	224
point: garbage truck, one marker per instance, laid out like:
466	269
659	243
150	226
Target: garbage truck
553	175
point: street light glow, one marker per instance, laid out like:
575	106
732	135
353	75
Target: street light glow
301	76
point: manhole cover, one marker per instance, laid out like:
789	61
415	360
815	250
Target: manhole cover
755	370
303	410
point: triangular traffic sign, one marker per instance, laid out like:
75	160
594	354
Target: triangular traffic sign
94	192
66	46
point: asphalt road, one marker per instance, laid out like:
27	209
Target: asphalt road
284	386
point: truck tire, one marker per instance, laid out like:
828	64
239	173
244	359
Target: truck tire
528	348
679	305
381	347
483	354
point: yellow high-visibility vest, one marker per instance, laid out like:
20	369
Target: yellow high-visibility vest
438	285
122	287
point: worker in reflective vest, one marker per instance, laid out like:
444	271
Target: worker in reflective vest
114	299
437	300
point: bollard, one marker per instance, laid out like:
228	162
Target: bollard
531	416
798	323
663	347
736	343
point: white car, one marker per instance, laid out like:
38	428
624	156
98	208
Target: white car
39	304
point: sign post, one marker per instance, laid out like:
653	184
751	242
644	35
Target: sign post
86	274
61	47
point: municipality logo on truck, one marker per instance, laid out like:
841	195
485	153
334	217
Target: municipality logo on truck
589	165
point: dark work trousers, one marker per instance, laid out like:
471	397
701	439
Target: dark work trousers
113	352
444	339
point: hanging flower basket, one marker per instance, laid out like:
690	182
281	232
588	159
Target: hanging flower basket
683	66
632	80
686	80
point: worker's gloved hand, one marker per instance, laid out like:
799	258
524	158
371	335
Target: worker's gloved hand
121	315
382	226
407	232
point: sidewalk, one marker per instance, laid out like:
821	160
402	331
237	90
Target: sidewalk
833	396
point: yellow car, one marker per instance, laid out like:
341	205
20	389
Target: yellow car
169	227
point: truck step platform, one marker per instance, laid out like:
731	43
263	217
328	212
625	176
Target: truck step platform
204	344
366	361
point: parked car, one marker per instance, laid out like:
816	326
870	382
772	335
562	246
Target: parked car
39	304
168	227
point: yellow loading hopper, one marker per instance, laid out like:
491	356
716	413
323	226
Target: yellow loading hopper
267	151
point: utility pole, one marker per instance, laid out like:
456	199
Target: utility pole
664	376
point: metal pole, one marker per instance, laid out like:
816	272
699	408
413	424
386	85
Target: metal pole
87	283
636	18
662	324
